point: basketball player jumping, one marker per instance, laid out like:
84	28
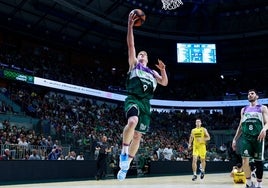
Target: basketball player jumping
141	84
253	126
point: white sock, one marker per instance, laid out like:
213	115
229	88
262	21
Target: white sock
125	150
249	182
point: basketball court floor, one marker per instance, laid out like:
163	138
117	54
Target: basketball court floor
210	181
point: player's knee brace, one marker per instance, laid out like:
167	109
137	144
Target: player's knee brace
259	169
133	111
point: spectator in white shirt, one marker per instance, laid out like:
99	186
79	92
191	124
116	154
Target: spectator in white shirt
168	153
80	156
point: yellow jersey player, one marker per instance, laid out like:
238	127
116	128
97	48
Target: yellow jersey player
238	174
197	141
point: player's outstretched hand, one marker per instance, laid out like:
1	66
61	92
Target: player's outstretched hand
161	65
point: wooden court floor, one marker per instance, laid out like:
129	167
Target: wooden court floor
210	181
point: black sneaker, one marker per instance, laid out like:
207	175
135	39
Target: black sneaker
194	177
202	174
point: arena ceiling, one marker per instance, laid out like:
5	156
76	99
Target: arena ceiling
102	24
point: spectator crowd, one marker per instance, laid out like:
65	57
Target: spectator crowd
71	124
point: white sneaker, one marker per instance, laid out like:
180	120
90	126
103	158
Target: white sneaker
121	175
123	162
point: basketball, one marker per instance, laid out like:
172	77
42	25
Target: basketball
141	15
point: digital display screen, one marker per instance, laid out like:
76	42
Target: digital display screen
12	75
196	53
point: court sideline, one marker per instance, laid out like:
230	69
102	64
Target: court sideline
211	181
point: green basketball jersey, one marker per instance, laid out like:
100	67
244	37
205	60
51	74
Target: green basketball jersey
141	82
252	121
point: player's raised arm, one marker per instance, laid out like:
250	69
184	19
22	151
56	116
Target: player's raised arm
132	60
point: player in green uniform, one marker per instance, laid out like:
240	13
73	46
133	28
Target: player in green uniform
253	126
141	84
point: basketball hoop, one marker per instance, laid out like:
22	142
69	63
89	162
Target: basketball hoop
171	4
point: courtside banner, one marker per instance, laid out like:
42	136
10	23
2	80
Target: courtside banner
77	89
154	102
232	103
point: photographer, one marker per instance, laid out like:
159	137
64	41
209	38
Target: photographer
54	154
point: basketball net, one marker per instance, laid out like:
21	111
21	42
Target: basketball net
171	4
